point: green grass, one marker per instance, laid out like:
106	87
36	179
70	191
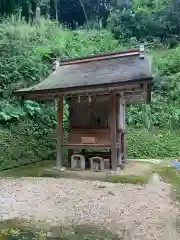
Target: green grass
31	170
170	175
18	230
87	232
132	179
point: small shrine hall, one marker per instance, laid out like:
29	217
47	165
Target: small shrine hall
96	89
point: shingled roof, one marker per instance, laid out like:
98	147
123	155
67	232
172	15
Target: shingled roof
95	71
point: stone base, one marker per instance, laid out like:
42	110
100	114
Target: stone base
118	171
125	161
114	173
122	166
61	169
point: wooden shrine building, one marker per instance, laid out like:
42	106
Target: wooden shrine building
96	88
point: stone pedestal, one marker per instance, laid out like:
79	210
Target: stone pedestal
97	164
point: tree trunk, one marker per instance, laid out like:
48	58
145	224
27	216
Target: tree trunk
84	11
56	10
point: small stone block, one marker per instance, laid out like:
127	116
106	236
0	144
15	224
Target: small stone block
78	162
97	164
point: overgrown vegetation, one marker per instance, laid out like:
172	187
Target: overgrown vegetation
27	131
17	230
127	19
155	143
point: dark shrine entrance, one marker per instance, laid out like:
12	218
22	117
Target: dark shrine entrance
97	122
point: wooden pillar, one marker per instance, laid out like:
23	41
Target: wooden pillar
83	151
60	135
119	130
123	147
113	132
124	135
70	153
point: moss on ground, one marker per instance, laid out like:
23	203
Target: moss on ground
133	179
170	175
31	170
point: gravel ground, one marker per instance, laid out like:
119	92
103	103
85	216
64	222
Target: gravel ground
144	212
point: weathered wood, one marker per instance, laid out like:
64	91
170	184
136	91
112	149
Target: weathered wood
70	153
119	128
123	147
108	89
134	51
60	135
129	97
129	91
103	154
123	137
74	146
102	136
113	132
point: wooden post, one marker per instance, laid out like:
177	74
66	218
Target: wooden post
83	152
60	135
70	153
124	136
123	147
113	132
119	132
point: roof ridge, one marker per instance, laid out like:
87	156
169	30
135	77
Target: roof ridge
103	56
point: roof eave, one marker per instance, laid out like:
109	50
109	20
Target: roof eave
76	89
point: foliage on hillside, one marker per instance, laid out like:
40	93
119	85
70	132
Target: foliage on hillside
157	143
27	131
147	20
140	19
163	112
26	57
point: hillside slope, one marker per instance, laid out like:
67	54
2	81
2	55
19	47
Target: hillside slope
26	131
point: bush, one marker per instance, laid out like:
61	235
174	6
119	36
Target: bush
142	144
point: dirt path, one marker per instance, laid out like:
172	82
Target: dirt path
136	212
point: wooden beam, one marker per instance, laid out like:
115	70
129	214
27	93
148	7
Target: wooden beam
106	88
60	135
129	97
86	146
113	132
